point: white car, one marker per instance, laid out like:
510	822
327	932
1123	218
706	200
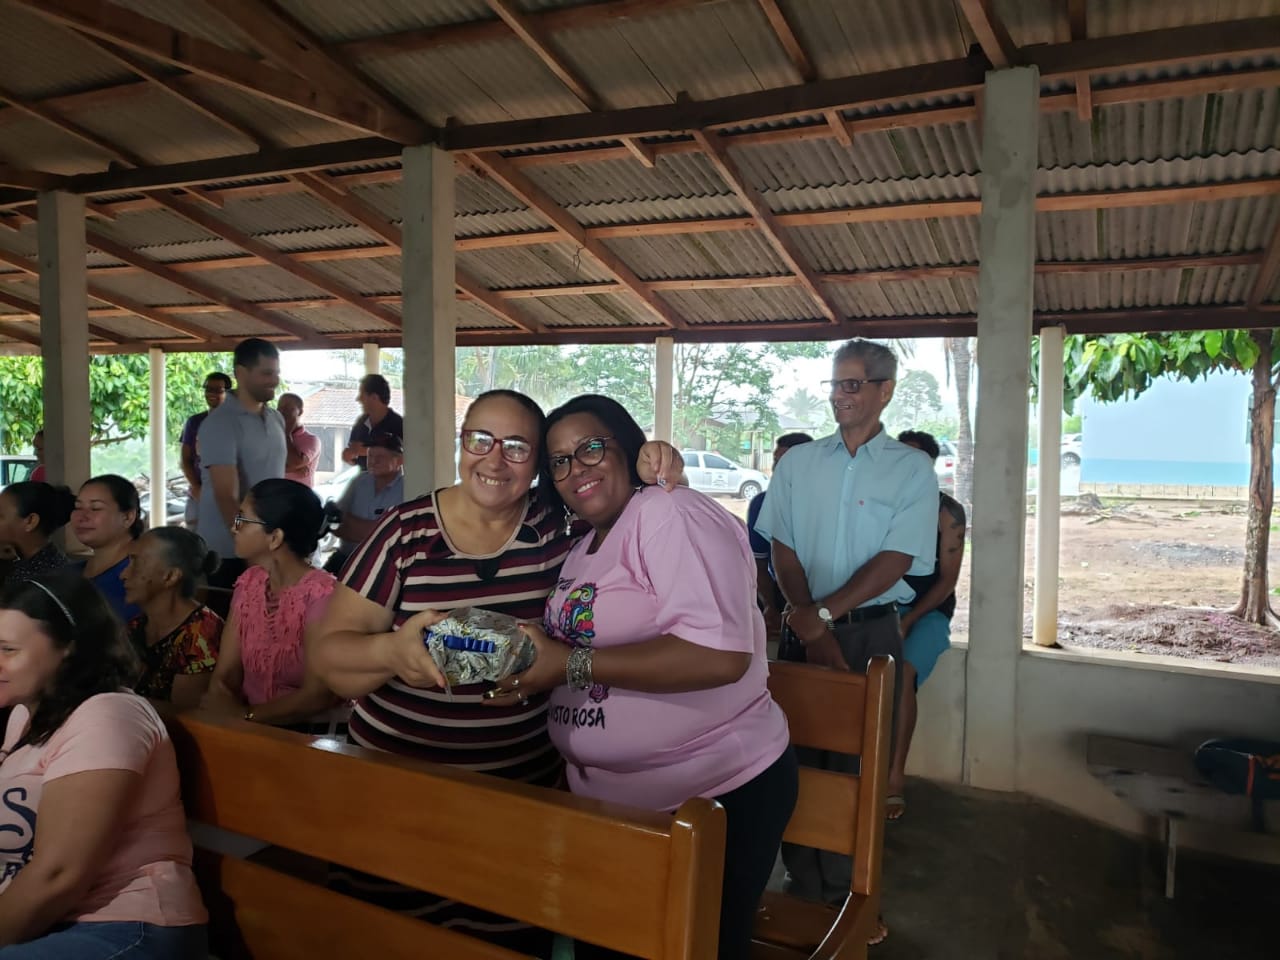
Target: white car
713	474
1071	445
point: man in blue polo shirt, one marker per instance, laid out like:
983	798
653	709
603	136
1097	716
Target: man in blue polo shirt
849	516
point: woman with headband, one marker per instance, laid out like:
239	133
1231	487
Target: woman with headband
95	861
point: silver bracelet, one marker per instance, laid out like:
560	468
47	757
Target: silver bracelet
577	672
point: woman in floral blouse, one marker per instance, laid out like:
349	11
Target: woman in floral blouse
176	636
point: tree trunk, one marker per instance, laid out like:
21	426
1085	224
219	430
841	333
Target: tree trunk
1255	604
961	367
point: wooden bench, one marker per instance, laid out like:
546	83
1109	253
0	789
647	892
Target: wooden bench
644	883
1163	782
846	713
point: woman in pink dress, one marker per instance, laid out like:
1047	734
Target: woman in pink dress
261	672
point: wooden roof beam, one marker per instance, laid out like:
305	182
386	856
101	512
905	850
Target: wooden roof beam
32	308
767	221
308	274
1268	271
304	334
1077	17
992	35
11	176
159	41
284	40
520	186
786	37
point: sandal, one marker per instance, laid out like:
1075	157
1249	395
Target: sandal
895	807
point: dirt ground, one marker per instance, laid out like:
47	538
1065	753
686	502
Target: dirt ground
1147	576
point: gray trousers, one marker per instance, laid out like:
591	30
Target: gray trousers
816	874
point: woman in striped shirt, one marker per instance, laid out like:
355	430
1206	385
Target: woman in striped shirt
485	542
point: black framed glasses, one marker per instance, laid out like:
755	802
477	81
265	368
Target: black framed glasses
480	442
588	453
851	385
241	520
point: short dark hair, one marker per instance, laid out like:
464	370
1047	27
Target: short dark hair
626	434
285	396
187	553
377	385
53	505
249	352
925	441
789	440
77	619
293	509
125	495
220	377
387	441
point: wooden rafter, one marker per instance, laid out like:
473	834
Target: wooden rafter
11	176
1077	16
1268	271
786	36
124	304
295	48
322	281
767	221
275	321
158	40
51	117
992	35
520	186
31	308
368	218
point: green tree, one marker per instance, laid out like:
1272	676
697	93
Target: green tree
119	394
1120	366
543	372
915	398
959	355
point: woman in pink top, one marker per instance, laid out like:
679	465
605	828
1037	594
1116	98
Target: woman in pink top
261	672
658	664
95	861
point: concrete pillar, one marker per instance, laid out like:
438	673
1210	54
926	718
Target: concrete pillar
1044	619
64	334
372	358
1005	303
664	383
429	319
157	434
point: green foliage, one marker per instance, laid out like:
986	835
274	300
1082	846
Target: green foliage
119	394
915	399
1123	365
1073	424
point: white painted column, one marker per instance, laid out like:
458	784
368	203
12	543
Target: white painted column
372	358
664	383
157	434
64	334
429	319
1005	303
1044	619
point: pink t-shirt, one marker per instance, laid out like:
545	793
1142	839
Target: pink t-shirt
308	445
674	563
147	877
271	630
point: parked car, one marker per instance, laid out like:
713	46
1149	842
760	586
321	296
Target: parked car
716	475
16	469
1071	445
945	466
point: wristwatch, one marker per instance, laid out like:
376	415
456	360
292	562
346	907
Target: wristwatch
825	616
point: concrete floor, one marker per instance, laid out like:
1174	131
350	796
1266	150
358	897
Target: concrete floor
971	875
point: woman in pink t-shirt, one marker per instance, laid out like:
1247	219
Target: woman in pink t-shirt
261	672
657	664
95	861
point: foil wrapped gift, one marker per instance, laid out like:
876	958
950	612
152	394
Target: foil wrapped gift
473	645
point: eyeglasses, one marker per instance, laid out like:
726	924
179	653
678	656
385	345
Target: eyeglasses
588	453
241	520
851	385
480	442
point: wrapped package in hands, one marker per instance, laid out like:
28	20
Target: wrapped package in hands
472	645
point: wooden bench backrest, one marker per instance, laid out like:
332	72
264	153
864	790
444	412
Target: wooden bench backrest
644	883
845	713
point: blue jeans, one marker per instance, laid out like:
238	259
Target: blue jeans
114	941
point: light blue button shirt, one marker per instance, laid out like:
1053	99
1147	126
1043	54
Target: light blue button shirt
837	512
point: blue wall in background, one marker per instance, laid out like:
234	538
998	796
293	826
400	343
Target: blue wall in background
1176	432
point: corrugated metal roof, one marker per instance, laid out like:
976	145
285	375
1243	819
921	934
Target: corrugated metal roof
337	20
1144	288
752	305
196	19
146	289
592	311
679	176
1111	17
133	328
472	316
699	255
868	246
283	126
281	212
543	265
368	277
33	145
27	70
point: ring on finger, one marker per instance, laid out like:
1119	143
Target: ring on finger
515	682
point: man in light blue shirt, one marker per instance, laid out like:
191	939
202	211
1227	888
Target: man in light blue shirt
848	515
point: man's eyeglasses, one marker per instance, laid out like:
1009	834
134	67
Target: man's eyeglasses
480	442
851	385
241	520
588	453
